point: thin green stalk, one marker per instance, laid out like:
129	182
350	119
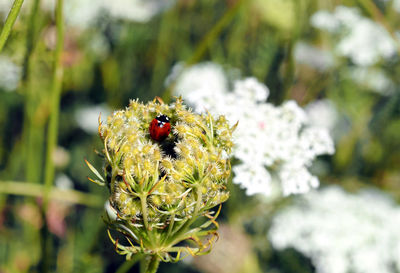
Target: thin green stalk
214	33
55	102
30	39
144	210
12	16
153	265
52	132
208	39
129	263
183	228
33	130
37	190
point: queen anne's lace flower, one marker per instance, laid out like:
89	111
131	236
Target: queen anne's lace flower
159	189
322	114
342	232
10	74
87	117
360	39
319	59
272	143
86	13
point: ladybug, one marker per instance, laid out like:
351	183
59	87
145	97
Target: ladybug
160	127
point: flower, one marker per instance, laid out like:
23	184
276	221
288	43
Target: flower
341	232
86	13
159	189
272	143
360	39
312	56
87	117
323	114
10	74
373	79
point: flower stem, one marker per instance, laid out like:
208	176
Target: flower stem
144	211
208	39
55	102
129	263
34	127
214	33
176	235
52	131
12	16
36	190
153	265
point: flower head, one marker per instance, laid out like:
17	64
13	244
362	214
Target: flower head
272	143
158	189
362	40
341	232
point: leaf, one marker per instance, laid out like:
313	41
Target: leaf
96	181
93	169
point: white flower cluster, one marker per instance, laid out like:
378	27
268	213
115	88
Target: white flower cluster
342	232
396	5
87	117
10	74
373	79
360	39
273	144
307	54
86	13
323	114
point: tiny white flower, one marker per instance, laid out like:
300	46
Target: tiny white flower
87	117
396	5
10	74
63	182
312	56
322	114
373	79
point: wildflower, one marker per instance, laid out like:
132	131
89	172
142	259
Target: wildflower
360	39
319	59
341	232
323	114
159	189
87	117
10	74
374	79
85	13
271	143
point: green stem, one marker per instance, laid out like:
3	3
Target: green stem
37	190
128	264
34	124
153	265
55	102
207	40
144	211
176	235
12	16
30	39
214	33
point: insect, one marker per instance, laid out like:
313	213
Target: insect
160	127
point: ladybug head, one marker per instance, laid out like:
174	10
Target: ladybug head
162	118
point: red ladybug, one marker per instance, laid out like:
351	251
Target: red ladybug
160	127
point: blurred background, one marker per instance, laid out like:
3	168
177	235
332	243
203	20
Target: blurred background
339	60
